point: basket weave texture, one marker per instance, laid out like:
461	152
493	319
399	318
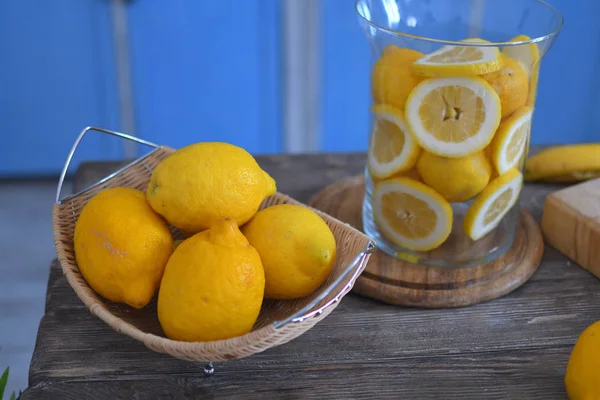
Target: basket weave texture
143	325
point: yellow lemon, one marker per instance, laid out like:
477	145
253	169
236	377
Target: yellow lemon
392	149
511	84
213	286
527	54
296	247
410	214
533	85
454	61
391	77
581	378
492	204
570	163
122	246
457	179
528	57
453	117
204	182
510	142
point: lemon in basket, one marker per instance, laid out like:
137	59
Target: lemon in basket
122	246
213	286
296	247
201	183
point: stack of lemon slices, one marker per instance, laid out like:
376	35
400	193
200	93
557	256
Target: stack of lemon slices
449	126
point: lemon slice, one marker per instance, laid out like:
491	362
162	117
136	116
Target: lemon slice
510	140
393	149
527	54
455	60
453	117
411	214
492	204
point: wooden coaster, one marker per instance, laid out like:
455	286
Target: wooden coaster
397	282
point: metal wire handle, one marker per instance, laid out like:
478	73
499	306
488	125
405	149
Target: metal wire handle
76	145
357	265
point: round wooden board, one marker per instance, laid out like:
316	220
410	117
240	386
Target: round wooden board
397	282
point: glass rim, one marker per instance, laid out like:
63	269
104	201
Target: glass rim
468	44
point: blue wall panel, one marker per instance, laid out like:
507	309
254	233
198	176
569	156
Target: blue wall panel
207	71
345	59
56	77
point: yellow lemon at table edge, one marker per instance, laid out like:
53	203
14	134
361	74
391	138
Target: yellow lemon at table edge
213	286
122	246
457	179
297	249
581	378
199	184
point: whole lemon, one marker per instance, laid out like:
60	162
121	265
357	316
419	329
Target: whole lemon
122	246
511	84
392	79
213	286
457	179
201	183
296	247
582	379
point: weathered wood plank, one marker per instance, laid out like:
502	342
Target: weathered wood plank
548	311
524	374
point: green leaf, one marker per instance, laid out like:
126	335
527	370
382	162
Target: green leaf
3	381
12	396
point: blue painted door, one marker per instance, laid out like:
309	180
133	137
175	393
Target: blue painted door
56	77
207	71
568	92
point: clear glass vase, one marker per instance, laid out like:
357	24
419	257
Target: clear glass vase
453	87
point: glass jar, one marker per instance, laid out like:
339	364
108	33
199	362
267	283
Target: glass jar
453	86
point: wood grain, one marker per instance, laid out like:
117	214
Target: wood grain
571	223
515	347
396	282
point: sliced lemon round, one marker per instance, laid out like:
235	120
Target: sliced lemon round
453	117
510	141
453	60
492	204
392	149
527	54
410	214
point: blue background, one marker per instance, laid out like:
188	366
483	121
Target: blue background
212	70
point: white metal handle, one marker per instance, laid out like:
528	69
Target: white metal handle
357	265
61	180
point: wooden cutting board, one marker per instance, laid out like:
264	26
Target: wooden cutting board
396	282
571	223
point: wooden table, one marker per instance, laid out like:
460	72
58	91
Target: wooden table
515	347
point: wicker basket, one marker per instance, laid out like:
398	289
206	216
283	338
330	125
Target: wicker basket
279	321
